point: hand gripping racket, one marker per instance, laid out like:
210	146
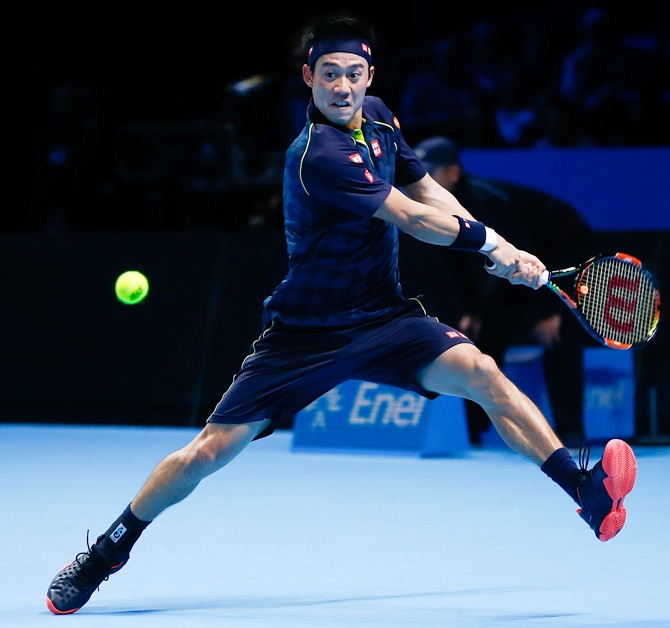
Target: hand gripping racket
614	297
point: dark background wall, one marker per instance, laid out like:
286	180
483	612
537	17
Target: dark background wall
133	137
131	117
72	353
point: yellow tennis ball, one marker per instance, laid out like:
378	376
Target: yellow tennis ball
131	287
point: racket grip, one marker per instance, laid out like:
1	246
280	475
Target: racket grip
544	277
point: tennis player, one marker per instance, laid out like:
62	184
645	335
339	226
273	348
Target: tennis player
351	181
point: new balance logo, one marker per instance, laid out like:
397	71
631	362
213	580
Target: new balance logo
118	533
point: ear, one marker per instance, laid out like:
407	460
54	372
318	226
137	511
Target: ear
451	175
455	171
371	74
307	75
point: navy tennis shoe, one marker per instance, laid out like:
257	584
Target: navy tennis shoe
602	489
75	583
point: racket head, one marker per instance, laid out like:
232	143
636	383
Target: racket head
619	299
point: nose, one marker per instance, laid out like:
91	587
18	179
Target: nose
342	85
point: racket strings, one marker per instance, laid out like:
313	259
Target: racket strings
619	301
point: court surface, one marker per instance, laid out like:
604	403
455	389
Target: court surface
282	538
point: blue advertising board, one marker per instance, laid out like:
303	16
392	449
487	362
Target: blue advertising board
584	177
364	416
609	391
609	394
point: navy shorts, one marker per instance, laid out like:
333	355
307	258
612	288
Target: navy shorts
292	366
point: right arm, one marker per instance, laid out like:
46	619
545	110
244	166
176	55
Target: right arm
426	212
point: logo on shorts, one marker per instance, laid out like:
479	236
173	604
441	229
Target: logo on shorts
455	334
369	176
356	158
118	533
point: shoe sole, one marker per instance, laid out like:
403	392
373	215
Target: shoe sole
55	610
619	464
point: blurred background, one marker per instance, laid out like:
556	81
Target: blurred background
151	138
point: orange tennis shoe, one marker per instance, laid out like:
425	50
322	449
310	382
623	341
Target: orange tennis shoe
603	488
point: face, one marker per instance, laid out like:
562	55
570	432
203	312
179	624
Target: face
447	176
339	83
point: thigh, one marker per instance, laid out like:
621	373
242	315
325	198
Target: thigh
462	371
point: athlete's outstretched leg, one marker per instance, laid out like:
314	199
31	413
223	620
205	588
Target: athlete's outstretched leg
464	371
173	479
177	475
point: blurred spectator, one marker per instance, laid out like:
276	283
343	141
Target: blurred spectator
496	314
485	58
574	74
584	75
595	78
517	110
69	156
436	99
556	128
643	91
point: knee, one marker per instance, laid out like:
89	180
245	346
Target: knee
209	452
485	371
204	453
487	381
217	445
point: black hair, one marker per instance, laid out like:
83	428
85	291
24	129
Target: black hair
334	25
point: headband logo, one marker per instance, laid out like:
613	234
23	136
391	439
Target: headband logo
339	44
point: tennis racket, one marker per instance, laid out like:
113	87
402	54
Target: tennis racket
614	297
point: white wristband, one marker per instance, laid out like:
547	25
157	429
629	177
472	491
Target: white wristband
491	241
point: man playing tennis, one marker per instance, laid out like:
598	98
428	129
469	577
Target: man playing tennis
350	183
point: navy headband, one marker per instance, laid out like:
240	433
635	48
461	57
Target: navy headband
340	44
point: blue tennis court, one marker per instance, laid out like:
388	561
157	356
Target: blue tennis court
288	538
